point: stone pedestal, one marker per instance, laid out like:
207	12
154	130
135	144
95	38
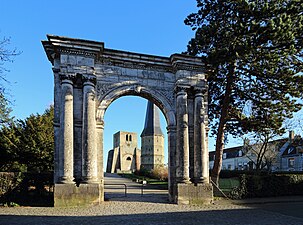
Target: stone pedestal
84	195
194	194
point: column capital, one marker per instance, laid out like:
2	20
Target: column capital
199	91
89	79
181	89
67	78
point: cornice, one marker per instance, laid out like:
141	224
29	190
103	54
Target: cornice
57	45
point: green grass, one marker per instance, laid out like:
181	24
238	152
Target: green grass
227	184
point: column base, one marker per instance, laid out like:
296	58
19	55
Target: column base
66	180
194	194
90	180
83	195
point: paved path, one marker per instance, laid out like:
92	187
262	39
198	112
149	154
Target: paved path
153	209
135	193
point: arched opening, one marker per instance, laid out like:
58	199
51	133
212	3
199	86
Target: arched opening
128	121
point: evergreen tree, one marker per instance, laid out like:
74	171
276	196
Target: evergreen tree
9	148
254	52
28	145
36	144
5	110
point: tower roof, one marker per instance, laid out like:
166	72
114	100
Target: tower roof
152	121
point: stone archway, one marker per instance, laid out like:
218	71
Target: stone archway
88	77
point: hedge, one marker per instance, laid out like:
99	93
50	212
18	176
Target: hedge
34	189
268	185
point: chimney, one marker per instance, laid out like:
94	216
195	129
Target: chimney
291	136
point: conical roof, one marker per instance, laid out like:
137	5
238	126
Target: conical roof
152	121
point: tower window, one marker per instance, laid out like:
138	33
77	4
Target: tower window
127	137
128	158
130	137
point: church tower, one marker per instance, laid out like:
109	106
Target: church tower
152	139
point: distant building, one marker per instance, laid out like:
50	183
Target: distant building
291	158
288	156
152	139
125	155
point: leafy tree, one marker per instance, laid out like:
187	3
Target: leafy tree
28	144
254	52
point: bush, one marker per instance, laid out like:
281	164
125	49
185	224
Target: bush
26	189
160	173
269	185
9	181
142	172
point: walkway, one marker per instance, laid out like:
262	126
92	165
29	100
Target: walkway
115	190
152	208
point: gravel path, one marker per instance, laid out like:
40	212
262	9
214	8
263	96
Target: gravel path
151	208
127	213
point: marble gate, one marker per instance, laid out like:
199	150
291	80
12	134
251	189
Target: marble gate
87	78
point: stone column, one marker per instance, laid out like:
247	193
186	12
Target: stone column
57	95
182	138
66	156
171	135
199	138
99	138
89	147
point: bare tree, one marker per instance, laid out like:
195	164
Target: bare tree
6	55
261	151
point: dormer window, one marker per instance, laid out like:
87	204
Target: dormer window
224	155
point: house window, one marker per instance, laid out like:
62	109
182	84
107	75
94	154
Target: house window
229	167
240	153
291	162
224	155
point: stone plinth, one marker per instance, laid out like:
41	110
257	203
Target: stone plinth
194	194
71	195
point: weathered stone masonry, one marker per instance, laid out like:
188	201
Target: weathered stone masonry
88	78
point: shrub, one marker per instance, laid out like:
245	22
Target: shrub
142	172
270	185
160	173
9	181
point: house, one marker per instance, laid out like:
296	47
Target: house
284	154
291	158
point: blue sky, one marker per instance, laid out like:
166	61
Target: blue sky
152	27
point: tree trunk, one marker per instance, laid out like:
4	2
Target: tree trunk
222	124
